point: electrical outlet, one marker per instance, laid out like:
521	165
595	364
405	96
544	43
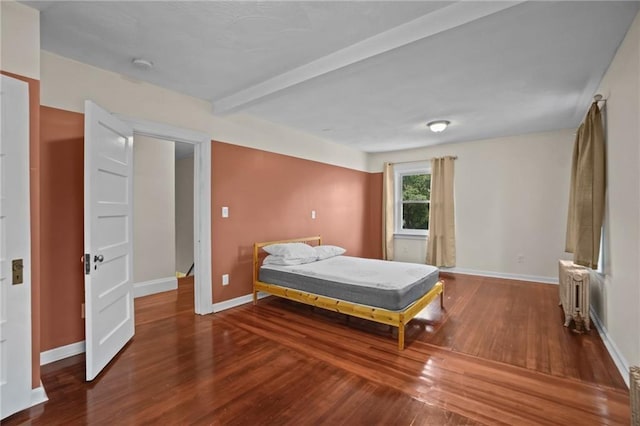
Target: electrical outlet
520	258
225	211
225	279
313	214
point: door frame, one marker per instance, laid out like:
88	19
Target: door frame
203	300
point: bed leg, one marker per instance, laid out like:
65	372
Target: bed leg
255	297
442	298
401	337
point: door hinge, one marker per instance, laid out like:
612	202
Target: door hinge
87	264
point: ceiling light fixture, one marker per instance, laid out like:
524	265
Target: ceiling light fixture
142	64
438	126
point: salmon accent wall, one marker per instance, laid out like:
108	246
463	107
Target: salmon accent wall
62	226
375	215
34	183
271	196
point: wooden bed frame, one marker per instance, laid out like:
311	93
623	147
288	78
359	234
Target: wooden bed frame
394	318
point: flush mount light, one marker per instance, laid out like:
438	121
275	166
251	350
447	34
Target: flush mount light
438	126
142	64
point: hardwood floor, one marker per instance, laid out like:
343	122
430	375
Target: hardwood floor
497	354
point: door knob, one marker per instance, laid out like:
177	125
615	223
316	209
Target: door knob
98	258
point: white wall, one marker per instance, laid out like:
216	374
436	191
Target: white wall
65	84
184	214
20	45
410	249
616	298
154	237
511	199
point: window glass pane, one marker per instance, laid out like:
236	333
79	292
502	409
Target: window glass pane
415	216
416	187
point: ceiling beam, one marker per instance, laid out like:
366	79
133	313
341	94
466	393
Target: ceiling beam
440	20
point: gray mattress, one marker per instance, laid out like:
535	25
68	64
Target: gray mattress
377	283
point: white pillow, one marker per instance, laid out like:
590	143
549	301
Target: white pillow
291	250
325	252
279	260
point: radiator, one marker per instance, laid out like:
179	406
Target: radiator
573	283
634	394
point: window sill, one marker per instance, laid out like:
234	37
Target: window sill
410	237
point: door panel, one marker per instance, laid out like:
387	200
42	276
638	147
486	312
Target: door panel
15	234
108	234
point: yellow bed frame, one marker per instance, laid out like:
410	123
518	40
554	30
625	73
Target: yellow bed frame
394	318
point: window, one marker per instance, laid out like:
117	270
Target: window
412	197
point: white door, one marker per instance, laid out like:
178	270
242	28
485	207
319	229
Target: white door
15	245
108	236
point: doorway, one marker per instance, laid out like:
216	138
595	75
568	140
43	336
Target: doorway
163	228
154	206
108	227
184	163
201	144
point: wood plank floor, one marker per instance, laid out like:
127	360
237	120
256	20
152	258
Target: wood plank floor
497	354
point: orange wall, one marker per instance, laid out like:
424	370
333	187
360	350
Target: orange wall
34	183
62	226
270	197
374	201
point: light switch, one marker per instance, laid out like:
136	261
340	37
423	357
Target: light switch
225	211
313	214
225	279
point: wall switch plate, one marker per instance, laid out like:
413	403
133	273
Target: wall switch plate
313	214
225	279
225	211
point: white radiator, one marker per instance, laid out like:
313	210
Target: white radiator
574	294
634	393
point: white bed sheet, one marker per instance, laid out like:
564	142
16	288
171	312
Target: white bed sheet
361	272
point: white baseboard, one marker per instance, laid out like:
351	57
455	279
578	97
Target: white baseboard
62	352
506	275
618	359
38	395
145	288
232	303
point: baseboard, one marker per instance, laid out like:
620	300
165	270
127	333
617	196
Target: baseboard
38	395
621	363
145	288
61	352
509	276
232	303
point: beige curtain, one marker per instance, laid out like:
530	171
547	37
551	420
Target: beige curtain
586	194
441	246
387	212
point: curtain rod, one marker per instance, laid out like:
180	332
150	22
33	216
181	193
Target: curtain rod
455	157
599	98
596	99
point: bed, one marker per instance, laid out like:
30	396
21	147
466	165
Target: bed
393	294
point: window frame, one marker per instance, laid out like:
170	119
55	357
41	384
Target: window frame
399	171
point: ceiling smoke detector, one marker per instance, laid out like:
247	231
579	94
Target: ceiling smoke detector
142	64
438	126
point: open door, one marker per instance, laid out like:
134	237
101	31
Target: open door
108	236
15	248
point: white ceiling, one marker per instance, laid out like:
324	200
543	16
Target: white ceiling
364	74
